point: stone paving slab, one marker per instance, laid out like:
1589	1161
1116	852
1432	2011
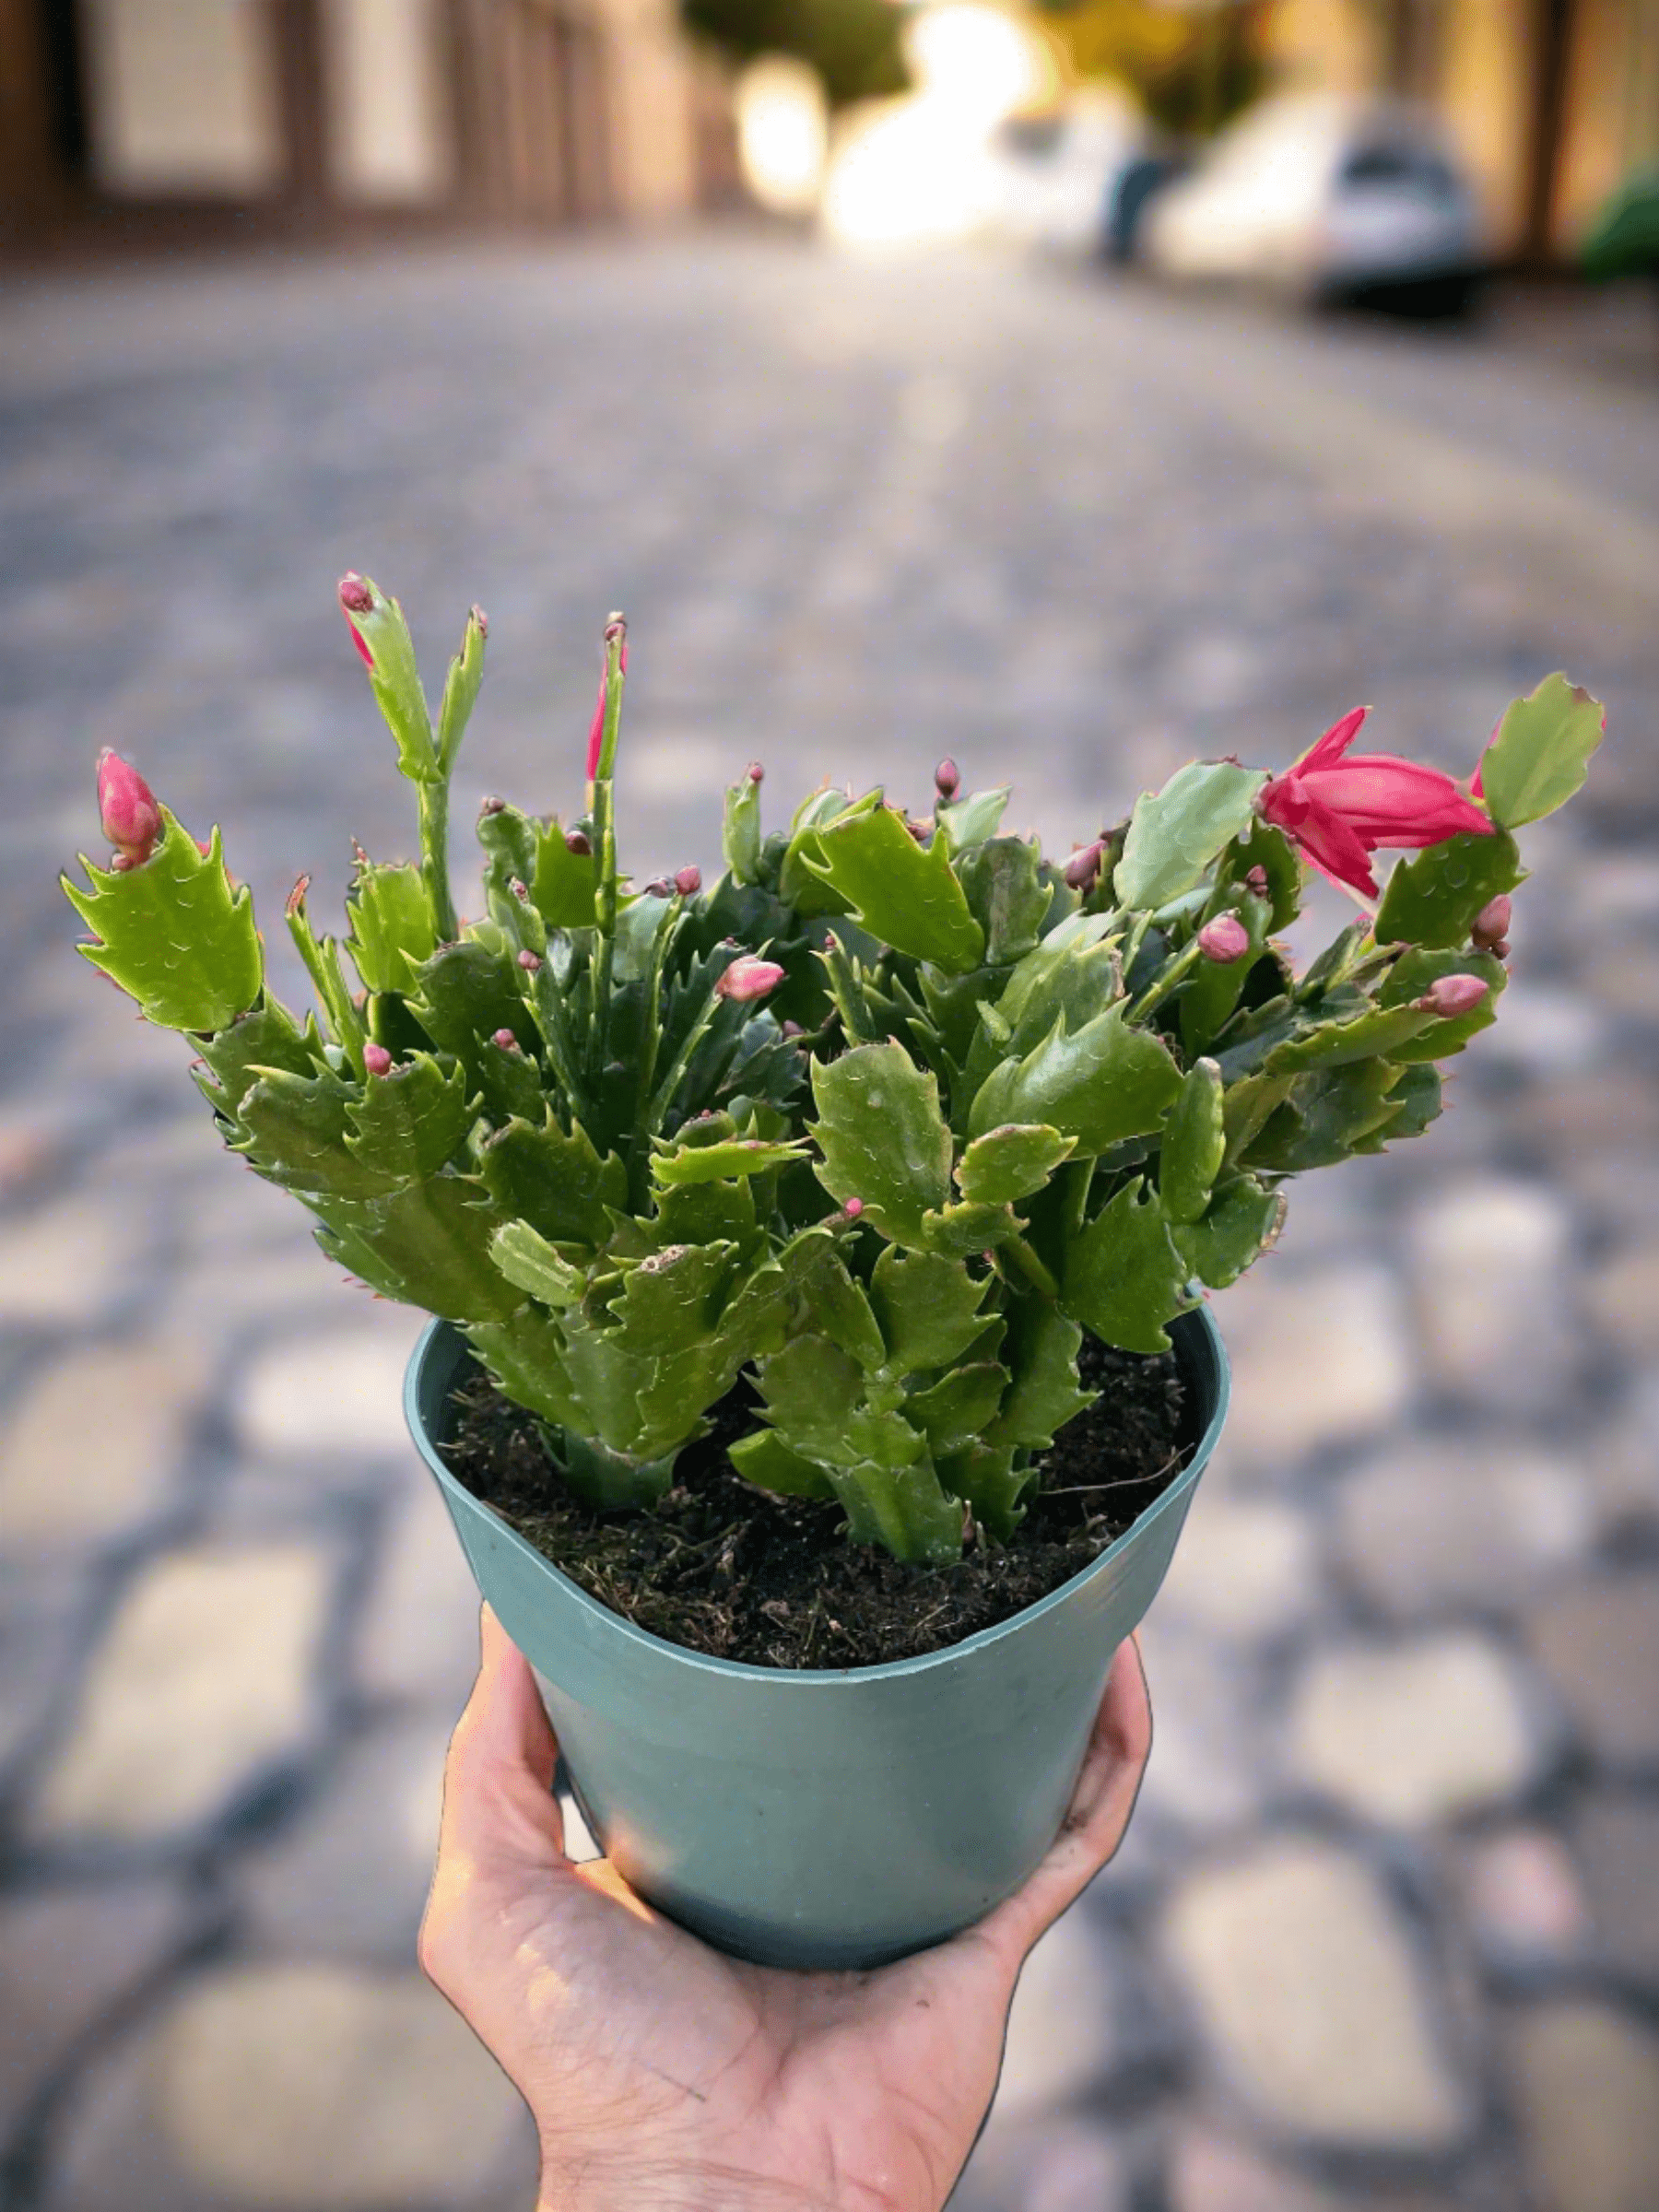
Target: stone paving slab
1380	1939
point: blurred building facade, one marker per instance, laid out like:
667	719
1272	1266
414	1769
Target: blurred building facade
1553	103
319	113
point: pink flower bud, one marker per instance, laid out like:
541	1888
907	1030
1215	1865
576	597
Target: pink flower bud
506	1040
579	842
529	962
1256	880
377	1060
519	887
853	1207
482	619
1083	866
659	888
920	832
493	806
356	598
1454	994
687	881
947	776
1491	926
748	978
1224	939
126	807
756	774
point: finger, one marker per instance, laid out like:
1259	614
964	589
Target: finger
497	1779
1100	1810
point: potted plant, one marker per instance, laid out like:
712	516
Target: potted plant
841	1227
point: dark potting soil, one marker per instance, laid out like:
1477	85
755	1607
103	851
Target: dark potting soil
740	1573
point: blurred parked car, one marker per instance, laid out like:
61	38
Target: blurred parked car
1325	198
1057	178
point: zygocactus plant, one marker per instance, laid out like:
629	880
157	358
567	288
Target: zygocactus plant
890	1117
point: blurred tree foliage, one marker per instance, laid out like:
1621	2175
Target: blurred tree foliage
852	44
1192	67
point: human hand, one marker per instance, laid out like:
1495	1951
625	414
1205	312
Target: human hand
665	2077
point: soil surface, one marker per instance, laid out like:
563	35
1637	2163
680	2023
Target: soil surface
724	1567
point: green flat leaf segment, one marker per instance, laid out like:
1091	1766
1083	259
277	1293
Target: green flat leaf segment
1101	1083
903	893
409	1122
1124	1278
428	1246
1433	897
532	1263
1176	833
680	1164
1241	1220
1540	753
174	934
1011	1162
390	917
883	1138
293	1130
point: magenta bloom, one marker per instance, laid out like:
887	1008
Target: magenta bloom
127	808
1224	939
750	978
596	728
1339	810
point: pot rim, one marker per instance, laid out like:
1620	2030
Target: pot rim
429	1342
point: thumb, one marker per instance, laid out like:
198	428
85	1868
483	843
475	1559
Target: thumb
497	1779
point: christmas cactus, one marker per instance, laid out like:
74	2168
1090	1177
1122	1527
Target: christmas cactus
887	1119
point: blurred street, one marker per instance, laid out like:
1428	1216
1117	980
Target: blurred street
1385	1933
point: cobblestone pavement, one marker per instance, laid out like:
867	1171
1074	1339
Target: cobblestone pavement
1385	1934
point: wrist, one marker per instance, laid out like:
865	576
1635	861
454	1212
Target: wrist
668	2185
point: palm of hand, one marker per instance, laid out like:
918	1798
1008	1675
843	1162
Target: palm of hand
664	2074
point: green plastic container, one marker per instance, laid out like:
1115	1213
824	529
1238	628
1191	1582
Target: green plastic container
822	1818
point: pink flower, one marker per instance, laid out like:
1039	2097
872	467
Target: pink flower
127	808
688	882
748	978
377	1060
505	1039
1453	995
1224	939
1340	810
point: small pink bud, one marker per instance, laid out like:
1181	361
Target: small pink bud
506	1040
756	774
1256	881
853	1207
356	598
920	832
482	619
1224	939
791	1029
296	897
493	806
659	888
1453	995
126	807
1083	866
377	1060
529	962
1491	926
688	881
519	887
579	842
948	777
748	978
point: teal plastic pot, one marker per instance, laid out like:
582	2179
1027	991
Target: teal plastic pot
821	1817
